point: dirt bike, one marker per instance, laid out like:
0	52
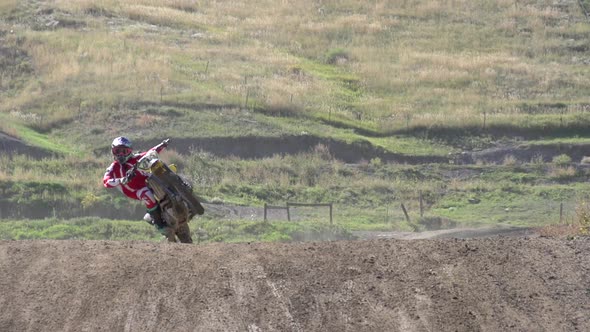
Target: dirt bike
174	195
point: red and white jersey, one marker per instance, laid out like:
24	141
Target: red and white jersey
117	171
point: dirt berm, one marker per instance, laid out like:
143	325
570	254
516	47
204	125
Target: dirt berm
489	284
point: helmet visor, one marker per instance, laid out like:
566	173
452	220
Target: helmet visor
121	151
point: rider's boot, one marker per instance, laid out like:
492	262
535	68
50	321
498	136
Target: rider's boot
161	225
156	214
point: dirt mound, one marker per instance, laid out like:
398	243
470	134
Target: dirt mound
491	284
11	145
256	147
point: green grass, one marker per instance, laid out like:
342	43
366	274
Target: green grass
92	228
365	196
89	228
43	141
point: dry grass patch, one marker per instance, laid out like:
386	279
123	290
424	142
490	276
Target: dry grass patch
560	231
562	172
8	5
432	59
581	225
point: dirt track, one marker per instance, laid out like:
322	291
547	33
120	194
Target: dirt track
489	284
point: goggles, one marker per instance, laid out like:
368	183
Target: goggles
121	151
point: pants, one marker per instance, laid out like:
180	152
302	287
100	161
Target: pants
147	197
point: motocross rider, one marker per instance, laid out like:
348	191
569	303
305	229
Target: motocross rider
132	183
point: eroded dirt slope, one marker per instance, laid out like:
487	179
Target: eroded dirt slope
490	284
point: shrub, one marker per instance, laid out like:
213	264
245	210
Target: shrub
90	200
562	160
510	160
581	226
336	56
563	173
583	217
376	162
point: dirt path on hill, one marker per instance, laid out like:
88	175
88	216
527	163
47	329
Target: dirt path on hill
453	233
11	145
492	284
261	147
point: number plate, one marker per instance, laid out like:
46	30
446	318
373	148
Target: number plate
158	168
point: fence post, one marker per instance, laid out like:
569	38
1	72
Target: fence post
264	211
406	213
561	213
330	213
421	205
288	212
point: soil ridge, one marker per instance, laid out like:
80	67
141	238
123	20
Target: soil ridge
491	284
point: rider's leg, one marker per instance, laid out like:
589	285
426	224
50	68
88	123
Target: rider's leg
153	208
155	211
156	214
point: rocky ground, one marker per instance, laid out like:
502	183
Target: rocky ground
494	283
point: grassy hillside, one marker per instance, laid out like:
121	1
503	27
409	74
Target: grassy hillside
407	86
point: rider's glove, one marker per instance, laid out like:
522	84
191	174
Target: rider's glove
130	174
165	143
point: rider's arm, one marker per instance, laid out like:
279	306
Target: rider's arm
109	180
161	146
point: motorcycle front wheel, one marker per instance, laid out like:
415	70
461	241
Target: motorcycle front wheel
183	233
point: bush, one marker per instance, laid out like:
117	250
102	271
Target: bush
562	160
336	55
563	173
583	215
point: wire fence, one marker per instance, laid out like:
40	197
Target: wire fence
419	216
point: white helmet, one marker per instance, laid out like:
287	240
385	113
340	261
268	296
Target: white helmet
121	149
